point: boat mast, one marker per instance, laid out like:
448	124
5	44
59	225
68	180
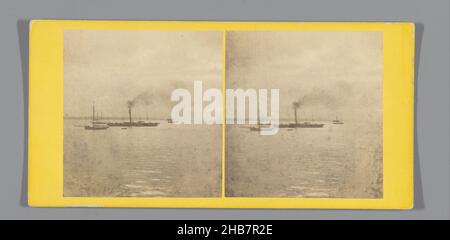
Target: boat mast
129	115
295	114
93	113
257	117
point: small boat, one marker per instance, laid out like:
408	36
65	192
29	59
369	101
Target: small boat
337	121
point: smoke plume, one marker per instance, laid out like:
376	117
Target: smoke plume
331	98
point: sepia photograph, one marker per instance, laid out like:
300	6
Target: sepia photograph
328	143
119	137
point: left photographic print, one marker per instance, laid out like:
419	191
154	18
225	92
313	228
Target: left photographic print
119	137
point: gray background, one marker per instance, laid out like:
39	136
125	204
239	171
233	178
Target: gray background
431	102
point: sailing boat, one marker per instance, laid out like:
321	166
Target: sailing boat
337	121
259	127
95	124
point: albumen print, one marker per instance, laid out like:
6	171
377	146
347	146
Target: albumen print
143	114
119	138
329	141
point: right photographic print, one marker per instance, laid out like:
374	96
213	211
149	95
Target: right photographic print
329	138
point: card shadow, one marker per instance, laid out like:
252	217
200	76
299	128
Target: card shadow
419	202
23	36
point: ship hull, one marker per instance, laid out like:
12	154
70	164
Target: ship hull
134	124
95	127
302	125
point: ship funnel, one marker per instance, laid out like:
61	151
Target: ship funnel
295	106
130	106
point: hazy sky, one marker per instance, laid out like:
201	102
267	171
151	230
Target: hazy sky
332	73
113	67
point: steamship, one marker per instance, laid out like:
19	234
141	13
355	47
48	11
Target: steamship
297	124
130	123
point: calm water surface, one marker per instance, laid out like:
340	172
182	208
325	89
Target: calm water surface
185	161
333	161
165	161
